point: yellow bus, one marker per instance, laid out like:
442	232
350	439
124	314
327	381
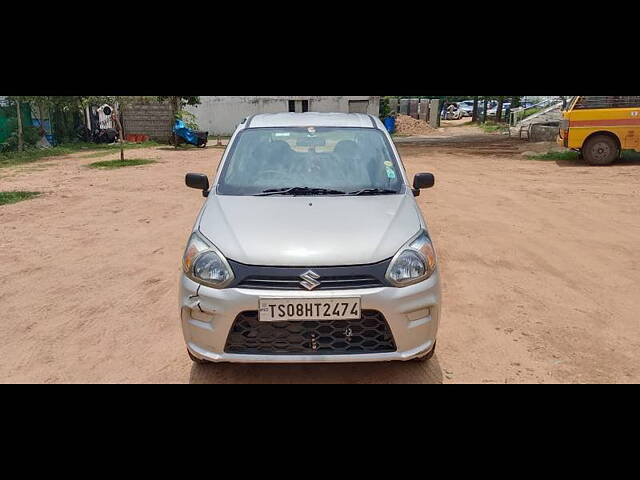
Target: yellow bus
601	127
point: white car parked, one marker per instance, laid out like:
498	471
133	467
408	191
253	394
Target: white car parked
310	247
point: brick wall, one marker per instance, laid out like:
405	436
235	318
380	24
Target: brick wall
153	119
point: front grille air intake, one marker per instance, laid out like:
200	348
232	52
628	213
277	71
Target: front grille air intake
369	334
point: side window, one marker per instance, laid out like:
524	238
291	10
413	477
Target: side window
632	101
595	102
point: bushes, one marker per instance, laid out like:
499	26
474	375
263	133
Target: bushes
9	128
385	108
31	136
7	198
188	118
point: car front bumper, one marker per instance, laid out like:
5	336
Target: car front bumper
412	313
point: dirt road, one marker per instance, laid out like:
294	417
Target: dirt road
540	261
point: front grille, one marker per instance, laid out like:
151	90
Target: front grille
326	283
289	278
369	334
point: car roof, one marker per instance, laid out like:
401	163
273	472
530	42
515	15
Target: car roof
310	119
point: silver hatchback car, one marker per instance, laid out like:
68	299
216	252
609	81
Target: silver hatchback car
310	247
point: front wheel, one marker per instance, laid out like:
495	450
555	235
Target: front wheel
600	150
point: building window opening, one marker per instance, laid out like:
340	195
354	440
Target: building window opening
298	106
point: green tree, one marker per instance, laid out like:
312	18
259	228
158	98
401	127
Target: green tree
499	109
18	101
474	115
178	103
485	107
385	108
20	131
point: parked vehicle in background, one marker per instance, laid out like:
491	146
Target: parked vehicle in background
451	112
184	134
466	107
310	247
493	111
600	127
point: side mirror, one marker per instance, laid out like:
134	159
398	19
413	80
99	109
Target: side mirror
198	181
422	180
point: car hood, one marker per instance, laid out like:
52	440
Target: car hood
309	231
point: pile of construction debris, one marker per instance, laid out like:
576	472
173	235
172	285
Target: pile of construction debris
406	125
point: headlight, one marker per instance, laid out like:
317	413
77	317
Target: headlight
414	262
204	263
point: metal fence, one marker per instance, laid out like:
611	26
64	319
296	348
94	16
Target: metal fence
516	115
8	119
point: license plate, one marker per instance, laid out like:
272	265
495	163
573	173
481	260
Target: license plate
286	309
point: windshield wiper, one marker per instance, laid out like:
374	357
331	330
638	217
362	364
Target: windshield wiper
299	191
373	191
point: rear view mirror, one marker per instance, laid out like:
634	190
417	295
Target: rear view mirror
198	181
422	180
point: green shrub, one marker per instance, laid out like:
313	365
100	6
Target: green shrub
14	197
111	164
188	118
385	108
30	135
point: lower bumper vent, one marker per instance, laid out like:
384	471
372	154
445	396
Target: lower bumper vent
369	334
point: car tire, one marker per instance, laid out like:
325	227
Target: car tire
600	150
197	360
428	356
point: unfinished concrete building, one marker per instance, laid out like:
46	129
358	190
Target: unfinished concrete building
221	115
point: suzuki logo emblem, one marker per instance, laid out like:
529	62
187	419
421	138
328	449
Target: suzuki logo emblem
309	280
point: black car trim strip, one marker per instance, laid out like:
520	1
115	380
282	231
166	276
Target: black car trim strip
332	276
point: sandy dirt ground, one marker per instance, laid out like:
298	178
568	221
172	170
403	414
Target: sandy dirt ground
540	262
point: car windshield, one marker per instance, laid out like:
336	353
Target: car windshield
310	161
